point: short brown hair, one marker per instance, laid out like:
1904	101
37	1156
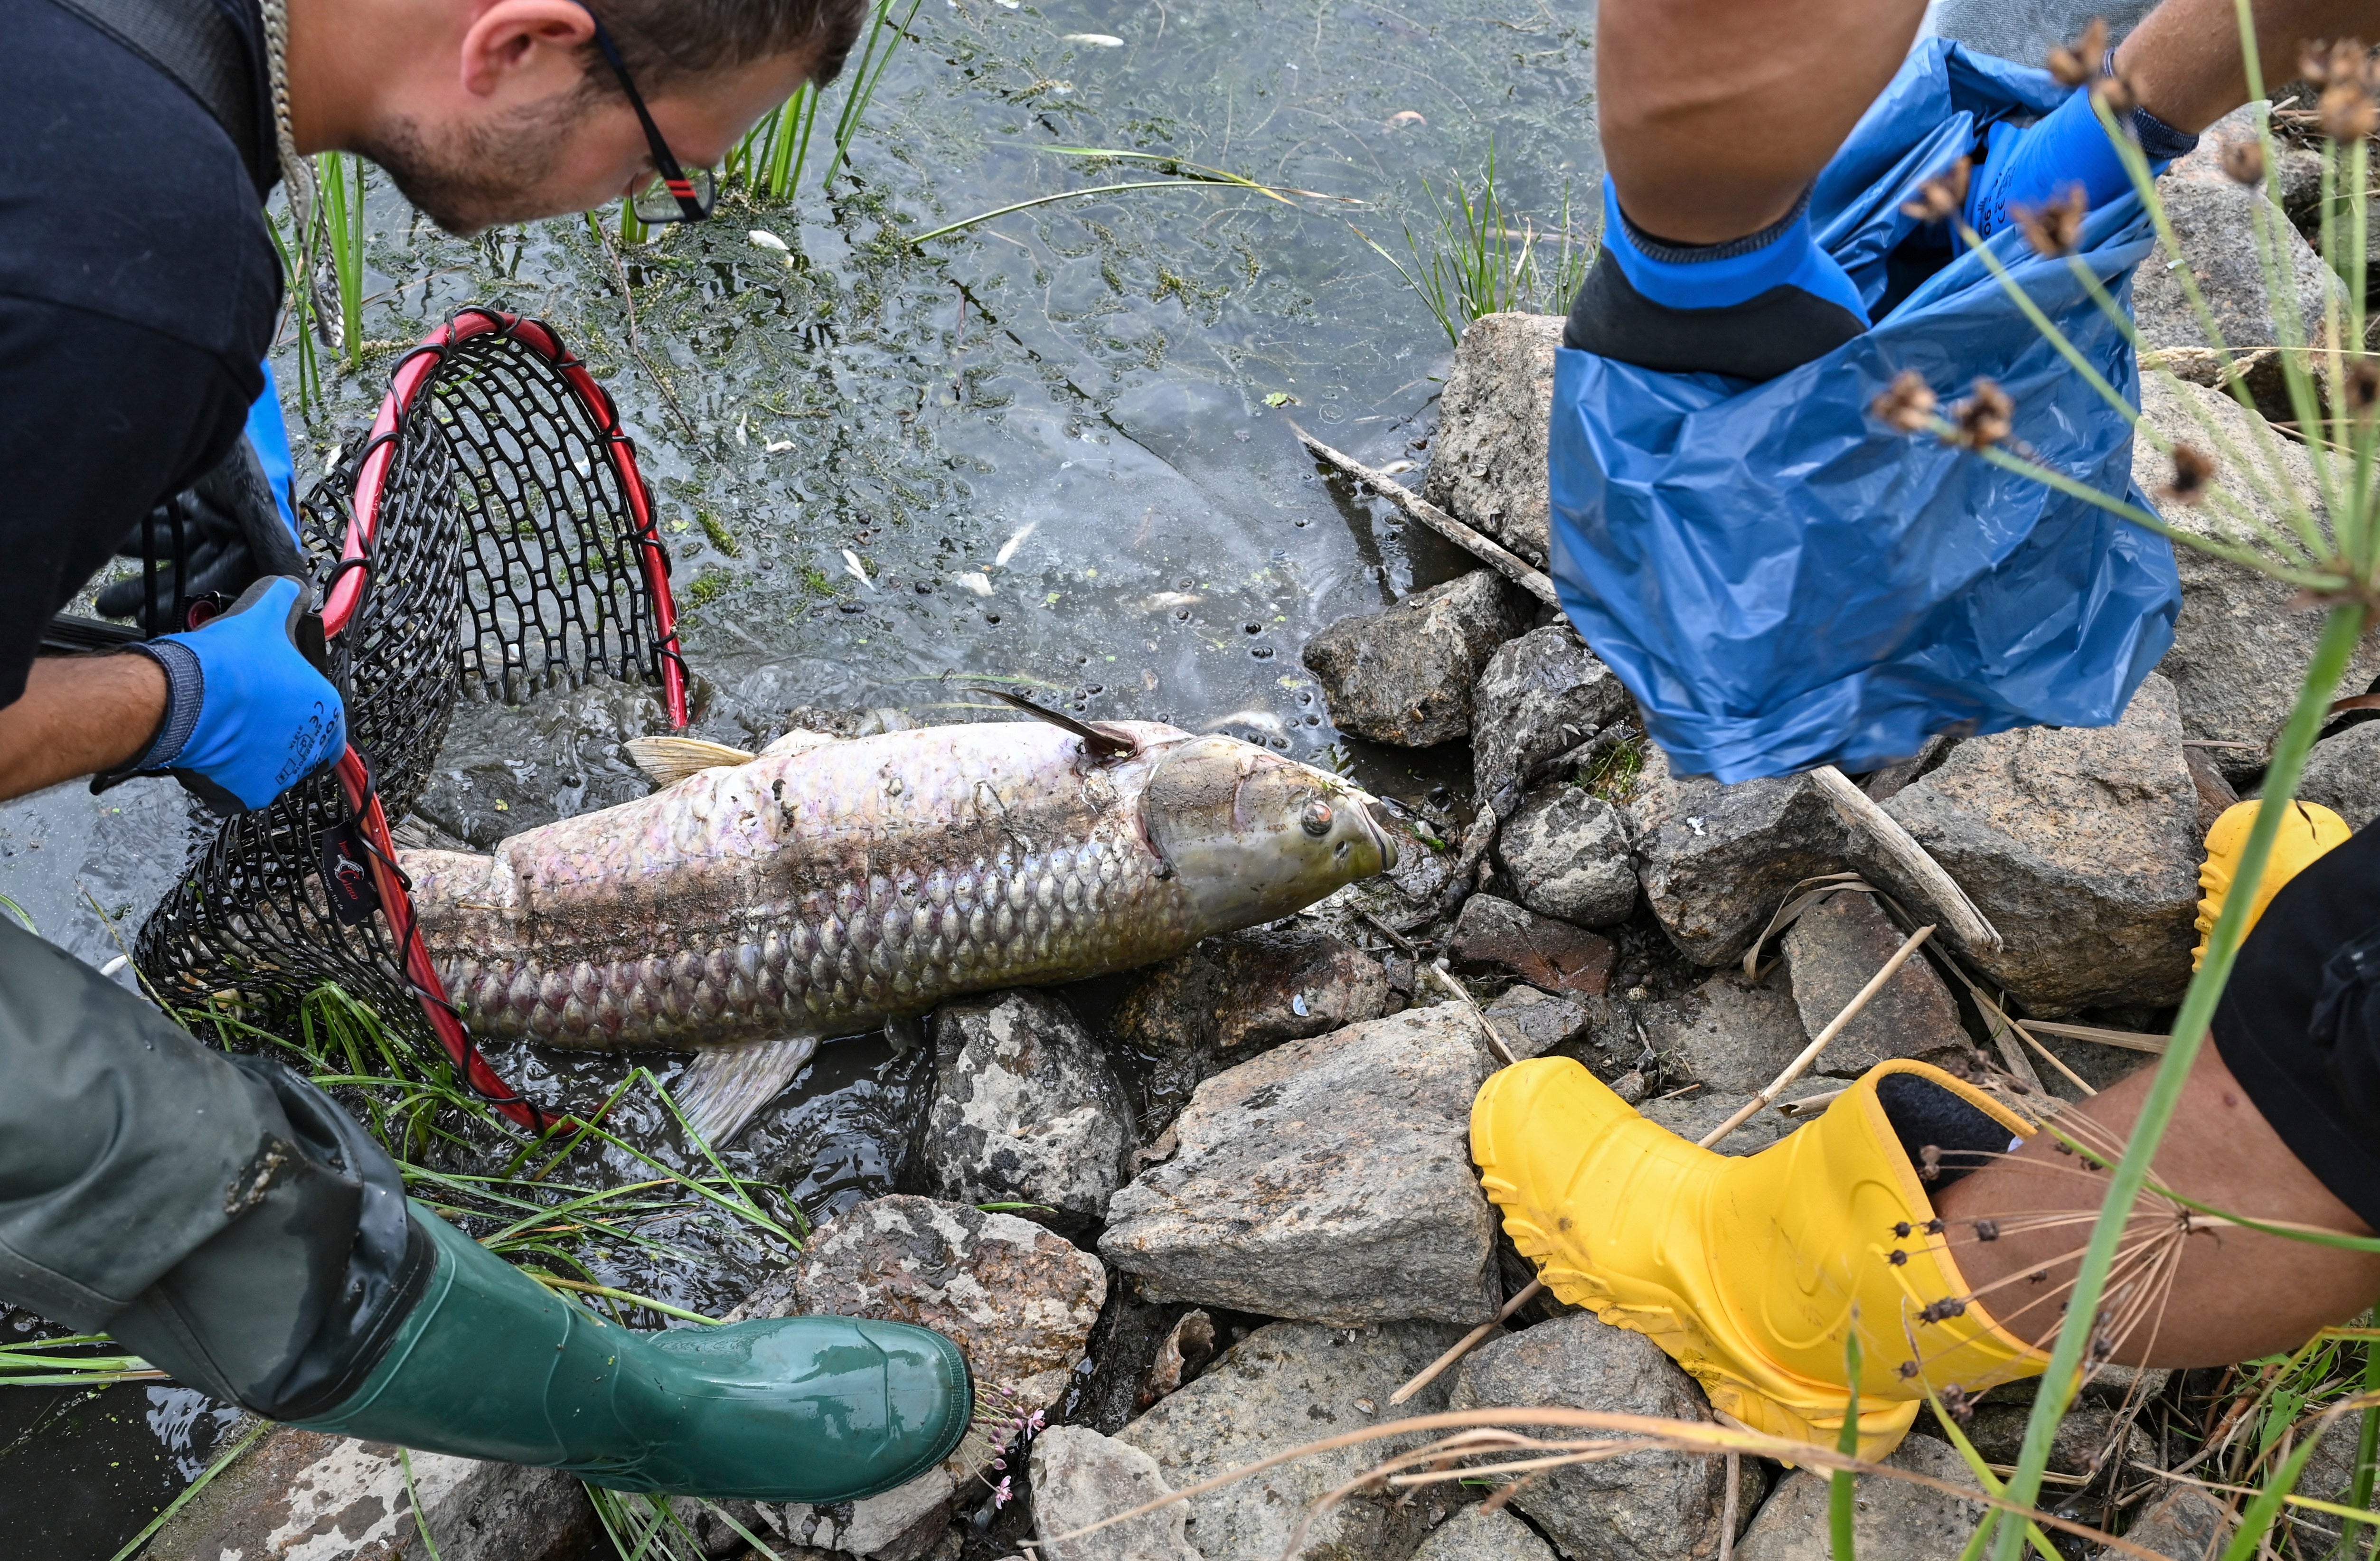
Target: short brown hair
666	42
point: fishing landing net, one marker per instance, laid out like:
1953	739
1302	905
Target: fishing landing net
490	538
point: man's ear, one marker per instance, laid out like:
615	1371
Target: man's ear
513	44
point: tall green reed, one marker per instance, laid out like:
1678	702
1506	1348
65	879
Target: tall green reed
1481	256
2327	545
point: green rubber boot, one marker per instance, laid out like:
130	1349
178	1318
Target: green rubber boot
492	1364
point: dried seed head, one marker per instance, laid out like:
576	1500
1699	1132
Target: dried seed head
2055	226
1985	419
2244	162
1987	1230
2116	93
2347	111
1929	1162
1960	1404
2327	63
1907	404
1940	198
1908	1369
1897	1257
1943	1310
1901	1230
2076	63
2193	472
2362	391
1934	1227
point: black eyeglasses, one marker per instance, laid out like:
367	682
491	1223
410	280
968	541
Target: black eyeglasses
677	196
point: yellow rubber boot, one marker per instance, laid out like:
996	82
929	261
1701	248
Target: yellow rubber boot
1749	1271
2307	831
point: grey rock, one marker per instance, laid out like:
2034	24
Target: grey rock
1403	675
2025	30
1645	1506
2183	1523
1080	1477
2292	180
2217	222
903	1524
2092	1437
348	1498
1716	861
1487	459
2343	774
1286	1385
1893	1520
1538	698
1500	935
1836	948
2079	844
1729	1032
1476	1534
1692	1116
1566	850
1531	1023
1018	1301
2242	642
1199	1012
1026	1109
1329	1180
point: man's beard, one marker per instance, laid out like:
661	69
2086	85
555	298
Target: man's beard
481	177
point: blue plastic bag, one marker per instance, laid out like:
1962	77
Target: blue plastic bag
1784	582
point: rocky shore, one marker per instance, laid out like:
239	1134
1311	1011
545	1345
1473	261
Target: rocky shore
1232	1211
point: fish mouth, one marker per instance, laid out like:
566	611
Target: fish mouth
1378	830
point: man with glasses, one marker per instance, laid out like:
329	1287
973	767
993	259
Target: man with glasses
213	1213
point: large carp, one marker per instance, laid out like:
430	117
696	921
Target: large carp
822	887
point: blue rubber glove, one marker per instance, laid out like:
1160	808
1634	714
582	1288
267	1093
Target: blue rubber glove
247	714
2025	166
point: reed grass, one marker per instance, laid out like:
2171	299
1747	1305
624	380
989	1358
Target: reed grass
1479	257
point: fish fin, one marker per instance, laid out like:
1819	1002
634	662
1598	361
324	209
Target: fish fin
1104	745
668	760
797	741
723	1087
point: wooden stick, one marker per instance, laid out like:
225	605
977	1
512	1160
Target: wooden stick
1826	1037
1463	1346
1968	924
1487	550
1726	1515
1495	1041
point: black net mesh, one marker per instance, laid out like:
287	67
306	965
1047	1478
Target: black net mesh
504	559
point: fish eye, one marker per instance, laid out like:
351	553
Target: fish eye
1318	818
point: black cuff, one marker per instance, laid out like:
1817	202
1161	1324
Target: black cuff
1669	251
2160	141
186	693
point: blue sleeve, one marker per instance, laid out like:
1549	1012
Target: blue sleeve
270	435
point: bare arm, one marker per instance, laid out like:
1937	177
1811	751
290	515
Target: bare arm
79	715
2184	58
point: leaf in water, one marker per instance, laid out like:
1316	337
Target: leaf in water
976	581
1280	398
858	570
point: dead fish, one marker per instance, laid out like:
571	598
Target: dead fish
1166	601
821	888
1008	549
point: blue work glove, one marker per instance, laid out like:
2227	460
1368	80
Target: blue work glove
247	715
2028	164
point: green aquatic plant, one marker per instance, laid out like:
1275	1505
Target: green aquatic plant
1479	257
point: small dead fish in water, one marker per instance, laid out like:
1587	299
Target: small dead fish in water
1165	602
858	570
1403	118
1008	549
1096	40
1256	721
767	240
821	888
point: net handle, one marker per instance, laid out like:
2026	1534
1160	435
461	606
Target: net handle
397	905
414	372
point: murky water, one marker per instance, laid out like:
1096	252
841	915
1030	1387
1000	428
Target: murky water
1086	404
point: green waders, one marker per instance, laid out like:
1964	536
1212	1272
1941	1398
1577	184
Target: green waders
225	1220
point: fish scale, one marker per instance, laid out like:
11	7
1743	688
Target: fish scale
825	891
